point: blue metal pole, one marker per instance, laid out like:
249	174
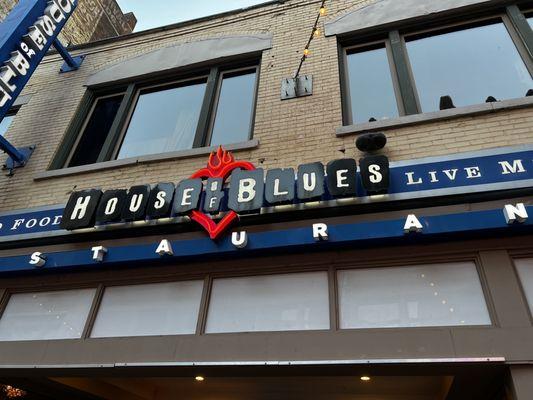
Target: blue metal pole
16	155
73	63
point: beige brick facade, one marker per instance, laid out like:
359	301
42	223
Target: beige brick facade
290	132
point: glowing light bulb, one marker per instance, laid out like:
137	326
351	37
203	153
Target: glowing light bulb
323	11
317	32
365	378
199	378
306	52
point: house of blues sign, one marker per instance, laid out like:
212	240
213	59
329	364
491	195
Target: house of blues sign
206	193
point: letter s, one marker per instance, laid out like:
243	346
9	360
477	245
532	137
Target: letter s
375	175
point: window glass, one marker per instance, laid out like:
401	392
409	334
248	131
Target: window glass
96	131
46	316
469	65
6	123
525	271
370	86
233	117
269	303
429	295
144	310
163	121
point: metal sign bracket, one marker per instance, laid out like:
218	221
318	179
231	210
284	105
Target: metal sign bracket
17	160
71	63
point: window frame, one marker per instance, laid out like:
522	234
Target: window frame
132	90
91	314
515	259
133	98
208	276
86	122
478	268
211	125
404	83
345	76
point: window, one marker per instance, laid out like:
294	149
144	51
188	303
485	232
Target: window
144	310
269	303
468	65
234	114
46	316
429	295
145	119
438	68
525	272
370	85
7	121
96	130
163	120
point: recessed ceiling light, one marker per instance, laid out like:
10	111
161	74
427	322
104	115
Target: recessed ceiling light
365	378
199	378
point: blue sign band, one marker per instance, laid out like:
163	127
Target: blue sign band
477	172
492	221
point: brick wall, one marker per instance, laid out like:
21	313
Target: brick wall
290	132
93	20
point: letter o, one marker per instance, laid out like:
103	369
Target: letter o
43	223
31	223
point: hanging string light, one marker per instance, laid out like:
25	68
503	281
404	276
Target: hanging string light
314	33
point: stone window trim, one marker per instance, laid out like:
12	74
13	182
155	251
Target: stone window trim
149	159
430	117
168	59
513	18
386	13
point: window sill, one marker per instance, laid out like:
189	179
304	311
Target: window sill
175	155
410	120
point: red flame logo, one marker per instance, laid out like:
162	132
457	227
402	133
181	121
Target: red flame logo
220	165
217	161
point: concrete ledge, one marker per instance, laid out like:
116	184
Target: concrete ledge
186	54
22	100
385	12
175	155
417	119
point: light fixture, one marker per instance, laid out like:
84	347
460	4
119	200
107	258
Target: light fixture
12	392
199	378
323	11
365	378
317	32
306	52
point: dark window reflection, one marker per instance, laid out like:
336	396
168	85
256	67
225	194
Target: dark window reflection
235	107
163	121
370	85
469	65
96	131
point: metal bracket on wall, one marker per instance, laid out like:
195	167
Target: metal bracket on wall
71	63
300	86
17	160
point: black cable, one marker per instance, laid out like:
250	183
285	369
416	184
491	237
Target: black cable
315	26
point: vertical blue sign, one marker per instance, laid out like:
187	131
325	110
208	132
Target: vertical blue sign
25	36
